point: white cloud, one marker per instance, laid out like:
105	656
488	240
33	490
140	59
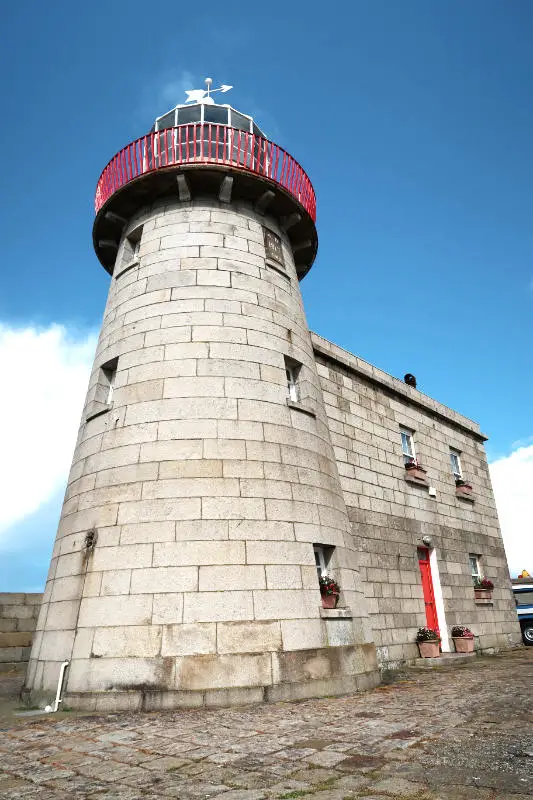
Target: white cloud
44	374
165	92
512	480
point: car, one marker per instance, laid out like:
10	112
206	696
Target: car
523	595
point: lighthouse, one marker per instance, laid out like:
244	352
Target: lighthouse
203	503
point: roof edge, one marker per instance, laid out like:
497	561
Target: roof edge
333	352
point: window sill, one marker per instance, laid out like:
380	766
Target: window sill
299	407
279	269
127	267
97	412
336	613
484	602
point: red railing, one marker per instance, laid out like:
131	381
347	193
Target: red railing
206	144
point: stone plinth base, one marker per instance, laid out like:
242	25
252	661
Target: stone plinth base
295	675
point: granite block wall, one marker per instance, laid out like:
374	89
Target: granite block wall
18	619
204	487
390	514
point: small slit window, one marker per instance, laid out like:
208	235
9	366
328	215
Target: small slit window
408	446
108	375
132	246
292	372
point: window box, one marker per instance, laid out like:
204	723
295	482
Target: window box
483	589
414	473
463	489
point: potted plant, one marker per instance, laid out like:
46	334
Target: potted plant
329	591
415	470
483	589
463	487
463	639
428	642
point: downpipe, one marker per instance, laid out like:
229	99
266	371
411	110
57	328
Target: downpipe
58	700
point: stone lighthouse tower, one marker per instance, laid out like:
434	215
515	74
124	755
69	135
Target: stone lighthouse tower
203	498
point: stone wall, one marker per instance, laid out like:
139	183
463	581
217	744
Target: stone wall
18	619
390	515
183	570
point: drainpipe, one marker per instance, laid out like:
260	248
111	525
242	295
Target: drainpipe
58	700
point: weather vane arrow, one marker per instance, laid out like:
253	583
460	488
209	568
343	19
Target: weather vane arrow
204	95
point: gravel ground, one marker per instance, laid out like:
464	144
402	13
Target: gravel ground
461	731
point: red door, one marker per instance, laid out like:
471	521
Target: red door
427	586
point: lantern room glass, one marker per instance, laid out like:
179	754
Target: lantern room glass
202	112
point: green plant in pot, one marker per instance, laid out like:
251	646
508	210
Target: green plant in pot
329	591
428	641
463	639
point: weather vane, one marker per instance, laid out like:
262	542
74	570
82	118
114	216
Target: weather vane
204	95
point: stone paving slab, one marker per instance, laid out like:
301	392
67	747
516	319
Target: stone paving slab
449	734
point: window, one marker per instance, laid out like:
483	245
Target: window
166	121
239	121
475	567
216	114
323	555
189	114
408	445
106	381
109	376
456	463
292	371
132	245
102	397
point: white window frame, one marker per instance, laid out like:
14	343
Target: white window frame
320	560
408	445
475	566
292	383
455	454
130	249
292	373
110	375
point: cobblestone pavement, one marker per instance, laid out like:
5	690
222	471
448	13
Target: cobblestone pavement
455	732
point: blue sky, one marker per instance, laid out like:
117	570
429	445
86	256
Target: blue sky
414	121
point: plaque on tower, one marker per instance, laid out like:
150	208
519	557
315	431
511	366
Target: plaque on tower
273	246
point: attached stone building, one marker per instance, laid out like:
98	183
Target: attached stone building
225	455
391	512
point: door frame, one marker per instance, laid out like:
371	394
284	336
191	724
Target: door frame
438	597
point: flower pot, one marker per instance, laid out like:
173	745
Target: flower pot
463	644
464	491
416	474
483	594
329	600
429	649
